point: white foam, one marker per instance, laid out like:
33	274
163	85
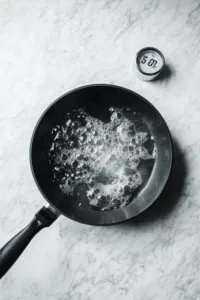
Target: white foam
103	156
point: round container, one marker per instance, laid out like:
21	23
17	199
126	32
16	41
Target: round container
150	62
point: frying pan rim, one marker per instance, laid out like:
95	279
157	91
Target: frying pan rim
170	147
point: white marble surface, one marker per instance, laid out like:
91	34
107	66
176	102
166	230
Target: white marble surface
50	47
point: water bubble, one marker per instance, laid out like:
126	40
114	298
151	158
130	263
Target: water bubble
75	164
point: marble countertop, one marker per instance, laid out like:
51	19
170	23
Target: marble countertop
50	47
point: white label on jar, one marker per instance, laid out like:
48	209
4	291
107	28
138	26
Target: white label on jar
149	61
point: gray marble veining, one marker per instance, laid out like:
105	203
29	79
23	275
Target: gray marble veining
50	47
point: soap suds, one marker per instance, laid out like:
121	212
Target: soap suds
104	157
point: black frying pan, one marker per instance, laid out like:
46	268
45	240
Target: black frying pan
96	100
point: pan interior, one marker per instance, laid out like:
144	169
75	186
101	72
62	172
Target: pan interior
105	163
97	101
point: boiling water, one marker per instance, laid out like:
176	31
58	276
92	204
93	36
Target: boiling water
104	157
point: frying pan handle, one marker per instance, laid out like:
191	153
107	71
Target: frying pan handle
13	249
